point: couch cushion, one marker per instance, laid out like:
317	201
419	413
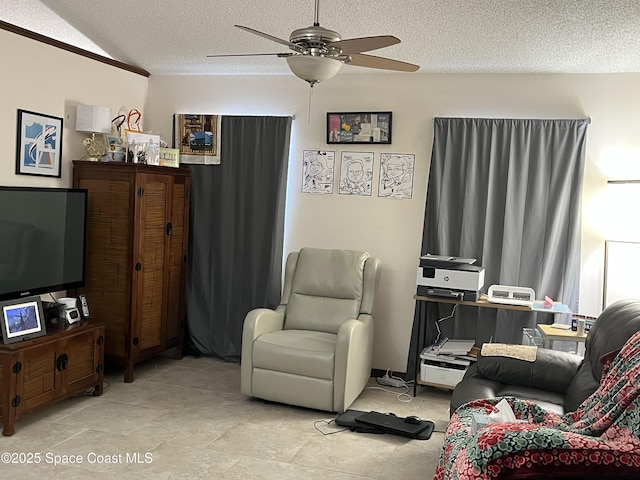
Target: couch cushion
551	401
552	370
298	352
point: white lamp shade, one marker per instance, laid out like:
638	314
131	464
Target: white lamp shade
93	119
313	69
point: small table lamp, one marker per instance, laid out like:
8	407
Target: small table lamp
93	119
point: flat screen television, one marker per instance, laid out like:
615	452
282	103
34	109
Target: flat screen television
42	240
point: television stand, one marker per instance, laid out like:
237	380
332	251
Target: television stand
41	371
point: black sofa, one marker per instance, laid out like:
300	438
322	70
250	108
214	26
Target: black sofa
556	380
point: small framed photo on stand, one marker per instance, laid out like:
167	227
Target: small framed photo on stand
22	319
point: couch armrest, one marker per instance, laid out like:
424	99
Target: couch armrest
552	370
474	385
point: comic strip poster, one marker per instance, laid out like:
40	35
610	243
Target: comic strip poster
317	171
396	175
356	173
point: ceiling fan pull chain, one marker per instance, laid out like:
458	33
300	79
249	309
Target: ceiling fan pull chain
316	23
309	107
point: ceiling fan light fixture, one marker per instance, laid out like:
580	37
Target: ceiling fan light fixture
313	69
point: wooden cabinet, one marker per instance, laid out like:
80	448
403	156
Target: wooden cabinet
38	372
137	229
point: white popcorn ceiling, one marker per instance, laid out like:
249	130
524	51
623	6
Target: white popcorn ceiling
442	36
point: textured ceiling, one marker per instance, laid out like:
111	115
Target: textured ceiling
442	36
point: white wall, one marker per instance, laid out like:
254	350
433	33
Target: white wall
392	229
46	79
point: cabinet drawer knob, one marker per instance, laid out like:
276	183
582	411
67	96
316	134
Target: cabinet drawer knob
17	367
100	340
62	362
138	267
136	340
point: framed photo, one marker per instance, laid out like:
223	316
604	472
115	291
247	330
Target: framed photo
170	157
197	136
143	148
116	151
39	145
363	127
22	319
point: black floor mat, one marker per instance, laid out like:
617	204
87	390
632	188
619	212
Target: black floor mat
348	419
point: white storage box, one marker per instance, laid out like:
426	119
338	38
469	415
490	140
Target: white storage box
440	375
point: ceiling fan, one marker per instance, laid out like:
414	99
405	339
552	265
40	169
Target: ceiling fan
318	53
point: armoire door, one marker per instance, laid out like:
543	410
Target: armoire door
150	276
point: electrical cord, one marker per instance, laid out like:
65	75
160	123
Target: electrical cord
403	397
328	422
453	312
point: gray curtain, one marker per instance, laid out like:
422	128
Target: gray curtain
236	233
508	193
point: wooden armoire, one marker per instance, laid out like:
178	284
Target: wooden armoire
137	229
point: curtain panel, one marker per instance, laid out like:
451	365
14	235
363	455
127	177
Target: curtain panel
236	233
508	193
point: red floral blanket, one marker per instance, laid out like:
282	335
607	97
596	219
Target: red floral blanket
600	439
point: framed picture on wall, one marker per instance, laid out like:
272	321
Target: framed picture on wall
359	127
39	144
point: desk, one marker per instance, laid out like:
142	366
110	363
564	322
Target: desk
482	302
549	334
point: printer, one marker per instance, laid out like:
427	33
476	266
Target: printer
453	277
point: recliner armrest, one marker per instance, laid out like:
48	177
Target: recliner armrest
552	370
261	320
354	347
257	322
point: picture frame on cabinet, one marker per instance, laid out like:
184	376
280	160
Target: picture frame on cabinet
116	151
39	144
22	319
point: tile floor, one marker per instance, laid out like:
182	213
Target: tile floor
185	419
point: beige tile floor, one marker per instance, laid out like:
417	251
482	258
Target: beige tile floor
185	419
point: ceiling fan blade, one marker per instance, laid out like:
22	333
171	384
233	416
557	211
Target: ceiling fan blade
364	44
361	60
292	46
279	55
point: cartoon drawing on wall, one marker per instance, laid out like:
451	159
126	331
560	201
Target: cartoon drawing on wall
317	171
356	173
396	175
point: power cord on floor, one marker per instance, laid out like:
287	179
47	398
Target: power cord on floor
327	422
403	397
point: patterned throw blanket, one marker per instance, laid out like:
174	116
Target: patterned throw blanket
601	439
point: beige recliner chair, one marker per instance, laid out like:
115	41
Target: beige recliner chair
314	349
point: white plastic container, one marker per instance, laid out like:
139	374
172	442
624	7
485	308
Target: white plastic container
68	302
